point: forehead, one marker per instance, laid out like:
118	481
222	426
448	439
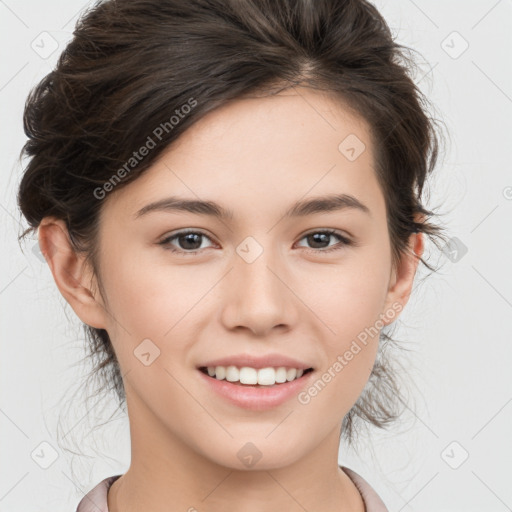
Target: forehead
257	150
292	122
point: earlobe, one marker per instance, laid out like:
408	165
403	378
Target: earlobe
71	276
402	278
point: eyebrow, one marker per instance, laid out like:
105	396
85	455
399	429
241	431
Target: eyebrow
322	204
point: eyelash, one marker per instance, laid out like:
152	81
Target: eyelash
344	242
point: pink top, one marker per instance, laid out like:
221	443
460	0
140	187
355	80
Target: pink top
96	499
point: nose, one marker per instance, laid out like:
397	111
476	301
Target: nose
258	297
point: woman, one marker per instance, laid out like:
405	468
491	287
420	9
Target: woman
228	194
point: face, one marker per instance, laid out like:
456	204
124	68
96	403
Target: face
187	288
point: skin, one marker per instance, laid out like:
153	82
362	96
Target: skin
255	156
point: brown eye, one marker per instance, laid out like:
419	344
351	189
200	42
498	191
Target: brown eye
189	242
319	239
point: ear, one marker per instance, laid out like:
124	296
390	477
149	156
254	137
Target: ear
402	277
74	279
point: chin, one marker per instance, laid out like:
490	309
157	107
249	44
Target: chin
258	454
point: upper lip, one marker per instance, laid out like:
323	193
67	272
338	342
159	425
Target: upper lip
253	361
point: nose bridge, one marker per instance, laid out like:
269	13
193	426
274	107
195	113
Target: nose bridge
255	268
258	296
259	274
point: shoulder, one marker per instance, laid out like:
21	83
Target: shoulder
96	499
372	500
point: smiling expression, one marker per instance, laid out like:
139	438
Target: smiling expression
254	234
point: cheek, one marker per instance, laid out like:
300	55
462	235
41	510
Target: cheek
348	298
148	299
349	302
350	306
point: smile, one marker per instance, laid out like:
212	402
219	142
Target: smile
248	376
256	397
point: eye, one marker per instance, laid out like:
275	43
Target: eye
190	242
322	237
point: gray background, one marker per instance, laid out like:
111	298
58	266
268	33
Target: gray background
452	450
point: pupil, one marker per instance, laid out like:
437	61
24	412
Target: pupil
189	238
316	236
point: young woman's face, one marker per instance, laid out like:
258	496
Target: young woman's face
259	283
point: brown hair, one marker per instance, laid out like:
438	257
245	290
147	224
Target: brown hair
133	65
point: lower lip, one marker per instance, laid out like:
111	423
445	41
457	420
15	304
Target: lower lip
257	398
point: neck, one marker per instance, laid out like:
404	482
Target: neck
167	475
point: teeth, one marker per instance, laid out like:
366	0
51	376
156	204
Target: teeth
220	372
263	376
248	375
291	373
266	377
232	374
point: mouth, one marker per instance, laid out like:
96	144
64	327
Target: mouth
254	378
256	389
